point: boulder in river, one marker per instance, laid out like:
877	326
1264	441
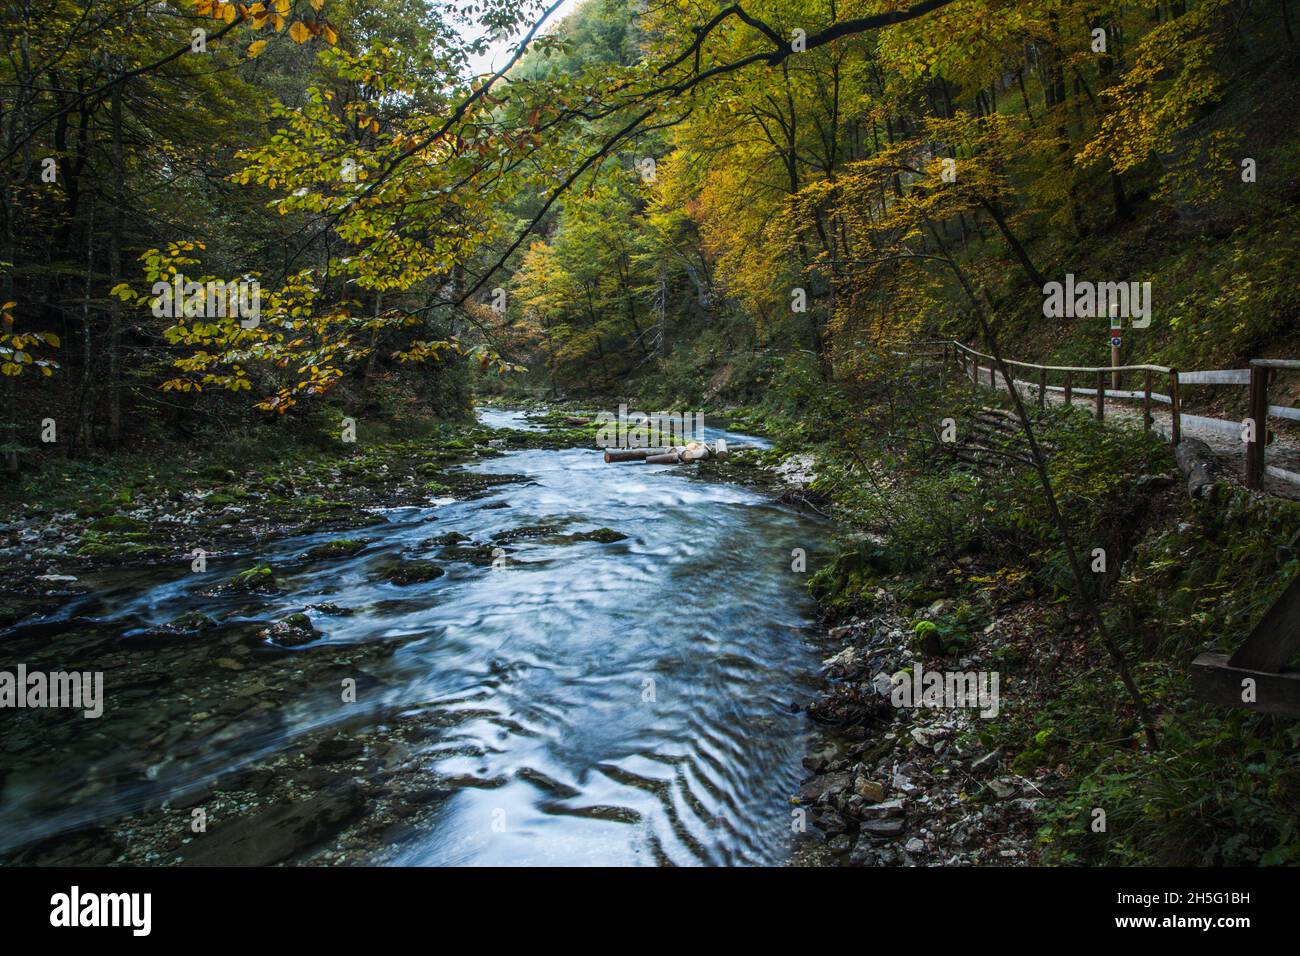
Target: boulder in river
413	572
293	631
339	548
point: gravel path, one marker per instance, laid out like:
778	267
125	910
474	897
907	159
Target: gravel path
1283	453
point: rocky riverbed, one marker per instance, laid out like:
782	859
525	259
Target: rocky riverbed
348	680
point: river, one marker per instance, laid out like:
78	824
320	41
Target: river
624	702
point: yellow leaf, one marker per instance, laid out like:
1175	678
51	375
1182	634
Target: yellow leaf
331	37
282	7
317	4
256	47
299	32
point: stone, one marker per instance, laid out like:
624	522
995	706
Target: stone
826	784
986	763
882	828
294	631
831	823
1002	788
886	808
413	572
869	789
914	845
841	844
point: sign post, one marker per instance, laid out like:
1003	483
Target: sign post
1116	340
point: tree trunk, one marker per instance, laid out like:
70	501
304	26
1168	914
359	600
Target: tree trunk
113	383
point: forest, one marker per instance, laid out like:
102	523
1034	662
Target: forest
311	310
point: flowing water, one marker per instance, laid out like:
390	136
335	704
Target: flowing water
604	703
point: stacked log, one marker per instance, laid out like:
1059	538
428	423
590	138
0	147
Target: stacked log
630	454
685	454
676	455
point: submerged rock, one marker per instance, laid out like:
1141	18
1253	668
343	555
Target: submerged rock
294	631
451	537
603	535
191	622
260	578
339	548
413	572
479	555
277	833
526	532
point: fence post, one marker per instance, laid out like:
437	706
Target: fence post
1042	388
1101	395
1069	388
1259	417
1146	402
1175	409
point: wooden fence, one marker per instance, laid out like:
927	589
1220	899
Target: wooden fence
1257	676
1092	382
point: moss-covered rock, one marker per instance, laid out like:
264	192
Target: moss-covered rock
110	523
120	547
413	572
191	621
479	555
451	537
526	532
603	535
292	631
260	577
340	548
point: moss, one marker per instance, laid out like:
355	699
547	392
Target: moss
525	532
451	537
413	572
260	577
340	548
119	547
603	535
480	555
292	631
192	621
119	523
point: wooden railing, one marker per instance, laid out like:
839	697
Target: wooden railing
1256	676
1256	378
